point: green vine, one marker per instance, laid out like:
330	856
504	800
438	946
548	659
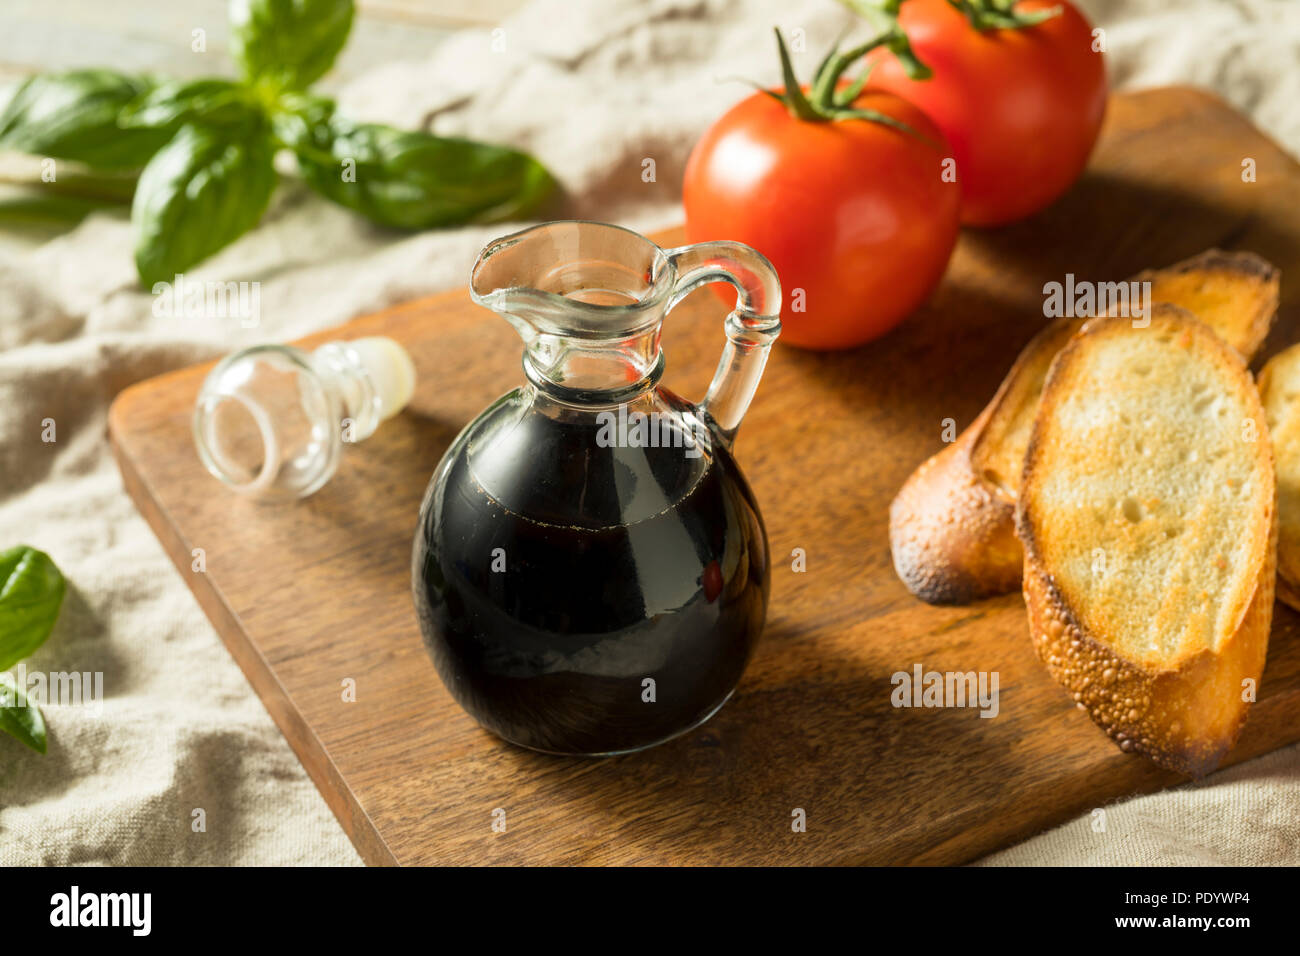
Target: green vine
827	98
998	14
981	14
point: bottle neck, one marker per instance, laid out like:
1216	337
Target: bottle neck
594	371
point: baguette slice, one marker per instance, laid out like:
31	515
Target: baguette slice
952	525
1148	517
1279	390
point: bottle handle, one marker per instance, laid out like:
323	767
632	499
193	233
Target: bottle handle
752	326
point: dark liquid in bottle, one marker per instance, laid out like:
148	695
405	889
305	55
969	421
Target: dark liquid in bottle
546	615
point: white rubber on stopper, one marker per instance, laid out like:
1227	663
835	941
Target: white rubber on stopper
390	369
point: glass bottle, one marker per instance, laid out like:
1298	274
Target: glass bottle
271	421
590	569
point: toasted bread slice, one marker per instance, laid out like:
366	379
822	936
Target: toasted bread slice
951	525
1148	517
1279	390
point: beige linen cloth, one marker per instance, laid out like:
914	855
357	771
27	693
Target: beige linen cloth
593	88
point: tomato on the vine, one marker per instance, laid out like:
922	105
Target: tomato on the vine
1021	105
843	190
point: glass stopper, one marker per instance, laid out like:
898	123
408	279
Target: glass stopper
272	420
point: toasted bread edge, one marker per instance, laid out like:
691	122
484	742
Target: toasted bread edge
1241	264
952	535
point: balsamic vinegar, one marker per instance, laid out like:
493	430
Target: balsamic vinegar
578	616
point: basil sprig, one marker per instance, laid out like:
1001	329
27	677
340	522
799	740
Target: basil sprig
203	148
31	593
413	180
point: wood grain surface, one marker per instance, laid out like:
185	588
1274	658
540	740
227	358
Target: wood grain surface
308	594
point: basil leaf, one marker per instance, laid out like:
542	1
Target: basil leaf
31	591
414	180
199	193
289	43
74	116
214	101
300	121
19	717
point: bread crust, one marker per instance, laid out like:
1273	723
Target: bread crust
951	529
1273	381
952	535
952	532
1262	311
1171	714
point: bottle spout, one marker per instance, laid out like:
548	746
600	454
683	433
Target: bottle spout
586	298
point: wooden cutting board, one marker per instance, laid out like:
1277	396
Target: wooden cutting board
309	594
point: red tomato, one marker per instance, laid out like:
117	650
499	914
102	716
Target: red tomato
856	215
1021	107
